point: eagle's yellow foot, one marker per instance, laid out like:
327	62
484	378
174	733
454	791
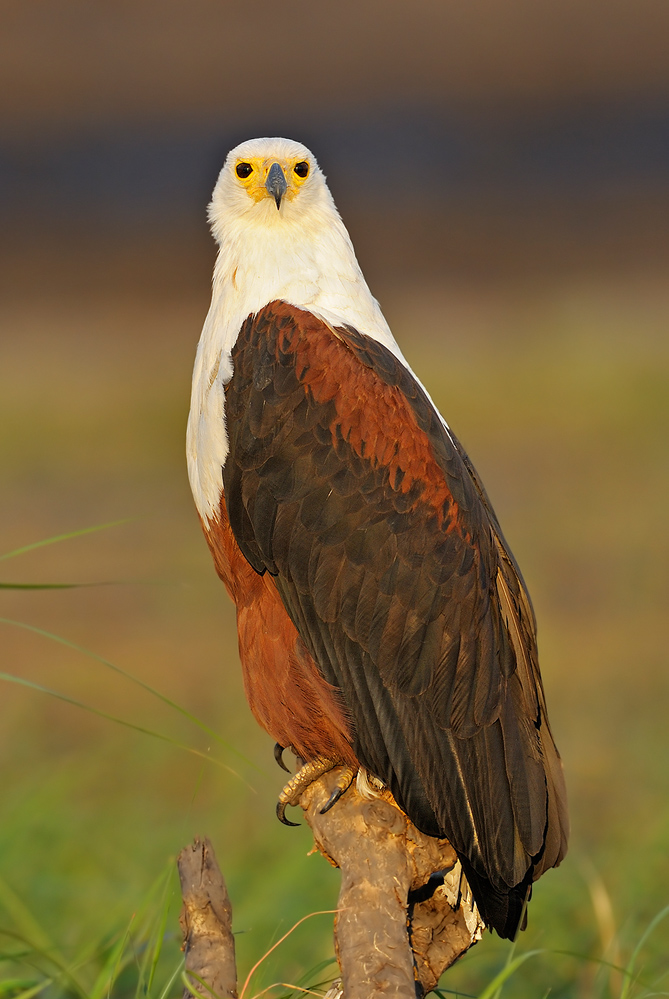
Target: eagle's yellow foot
308	773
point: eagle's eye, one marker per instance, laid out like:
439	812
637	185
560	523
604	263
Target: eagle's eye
244	170
301	169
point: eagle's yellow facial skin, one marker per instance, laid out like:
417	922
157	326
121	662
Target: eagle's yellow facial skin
254	184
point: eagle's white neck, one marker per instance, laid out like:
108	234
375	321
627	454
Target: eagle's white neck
307	261
302	255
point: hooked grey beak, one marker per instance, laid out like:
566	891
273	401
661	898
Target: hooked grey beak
276	183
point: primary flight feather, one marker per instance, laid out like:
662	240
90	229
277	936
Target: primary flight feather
383	622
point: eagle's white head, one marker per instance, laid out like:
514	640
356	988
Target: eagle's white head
270	184
280	237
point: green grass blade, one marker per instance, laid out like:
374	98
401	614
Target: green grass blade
510	954
187	977
629	970
63	537
172	979
609	965
12	984
14	955
316	970
133	679
506	973
34	990
120	949
155	934
159	939
22	918
10	678
51	956
112	966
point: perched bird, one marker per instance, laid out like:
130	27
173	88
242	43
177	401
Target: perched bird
384	625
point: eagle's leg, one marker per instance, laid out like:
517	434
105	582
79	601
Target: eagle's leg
305	776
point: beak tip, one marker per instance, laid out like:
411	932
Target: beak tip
276	184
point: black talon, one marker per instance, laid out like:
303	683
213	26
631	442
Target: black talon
333	799
281	815
278	756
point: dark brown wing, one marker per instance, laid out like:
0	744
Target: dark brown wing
342	481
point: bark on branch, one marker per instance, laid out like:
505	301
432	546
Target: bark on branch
388	941
206	922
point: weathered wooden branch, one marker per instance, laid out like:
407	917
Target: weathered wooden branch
206	922
386	943
398	927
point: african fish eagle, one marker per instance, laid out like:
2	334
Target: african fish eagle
383	623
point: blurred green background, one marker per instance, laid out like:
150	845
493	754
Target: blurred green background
504	171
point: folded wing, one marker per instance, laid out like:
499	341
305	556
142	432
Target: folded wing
343	483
